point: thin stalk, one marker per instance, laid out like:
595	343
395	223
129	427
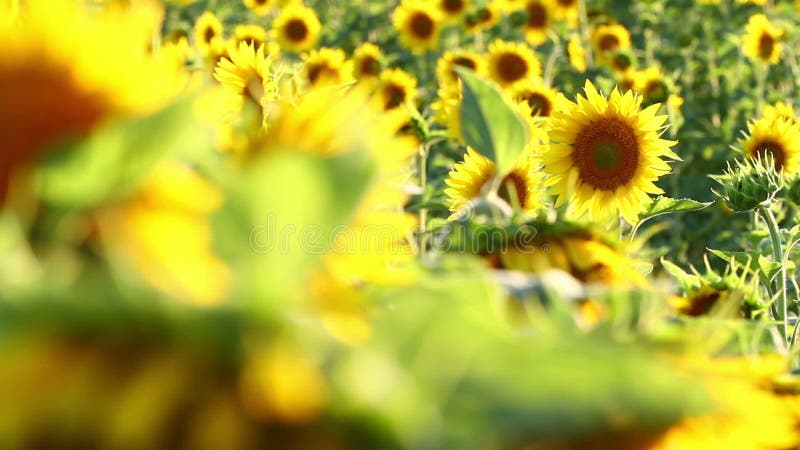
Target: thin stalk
584	31
777	253
761	85
423	212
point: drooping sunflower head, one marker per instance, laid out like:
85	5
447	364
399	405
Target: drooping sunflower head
577	54
260	7
446	66
396	88
296	28
778	138
367	61
327	66
779	110
609	39
512	62
453	10
761	41
207	28
539	18
605	155
418	24
542	100
520	188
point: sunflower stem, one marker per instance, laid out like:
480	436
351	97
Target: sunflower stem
423	212
761	85
777	253
583	23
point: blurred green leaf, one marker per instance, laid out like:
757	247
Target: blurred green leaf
489	124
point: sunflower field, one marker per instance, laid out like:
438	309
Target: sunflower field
399	224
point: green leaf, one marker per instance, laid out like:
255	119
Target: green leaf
686	280
665	205
489	124
114	159
765	269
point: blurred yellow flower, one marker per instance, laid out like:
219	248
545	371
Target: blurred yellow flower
778	138
761	40
327	66
511	62
296	27
418	24
577	54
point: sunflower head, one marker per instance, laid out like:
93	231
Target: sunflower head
453	10
396	88
777	138
606	154
577	54
207	28
779	110
260	7
246	72
296	27
418	24
512	62
327	66
484	17
446	66
542	100
539	15
254	35
761	41
609	39
367	61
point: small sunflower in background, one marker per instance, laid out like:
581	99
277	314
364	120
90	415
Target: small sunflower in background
609	39
453	10
207	29
566	10
446	66
779	110
653	85
511	62
484	17
254	35
396	88
710	293
542	100
538	22
296	28
522	186
576	52
367	61
327	66
761	41
605	155
260	7
779	138
418	24
245	76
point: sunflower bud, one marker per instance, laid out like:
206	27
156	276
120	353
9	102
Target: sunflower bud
752	183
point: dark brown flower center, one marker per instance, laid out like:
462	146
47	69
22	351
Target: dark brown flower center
453	6
766	45
773	149
514	185
421	25
655	91
537	15
395	96
608	42
320	70
369	66
539	103
606	153
296	30
511	67
209	34
567	3
701	303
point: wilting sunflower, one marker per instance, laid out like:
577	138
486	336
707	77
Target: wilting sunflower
761	40
453	10
396	88
780	138
296	27
260	7
327	66
522	186
609	39
540	16
418	24
605	154
446	66
207	28
542	100
577	54
367	61
65	70
511	62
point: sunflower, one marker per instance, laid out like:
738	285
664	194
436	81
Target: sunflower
254	35
446	66
484	17
453	10
66	69
467	179
605	154
447	110
653	85
542	100
245	72
260	7
628	80
779	110
418	24
780	138
296	27
538	22
207	28
567	9
609	39
327	66
577	54
396	88
367	61
761	40
511	62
